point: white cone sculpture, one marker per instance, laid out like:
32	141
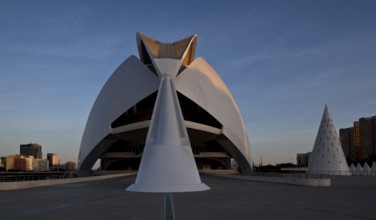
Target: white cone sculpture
352	168
327	155
359	169
366	169
373	168
167	163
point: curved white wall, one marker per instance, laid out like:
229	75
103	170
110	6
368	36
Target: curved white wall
130	83
200	83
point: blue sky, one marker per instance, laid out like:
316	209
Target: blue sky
282	61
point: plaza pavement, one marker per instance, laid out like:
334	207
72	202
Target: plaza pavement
227	199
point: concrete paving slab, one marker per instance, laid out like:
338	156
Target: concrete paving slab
227	199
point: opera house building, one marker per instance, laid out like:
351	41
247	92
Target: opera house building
165	112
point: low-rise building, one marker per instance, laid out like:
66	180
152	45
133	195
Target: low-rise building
28	163
9	162
22	163
2	162
70	166
303	159
40	165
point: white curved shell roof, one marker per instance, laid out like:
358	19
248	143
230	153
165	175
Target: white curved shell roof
129	84
202	84
133	81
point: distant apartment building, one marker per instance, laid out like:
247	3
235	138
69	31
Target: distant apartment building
9	162
359	142
53	159
28	163
30	149
22	163
357	146
303	159
2	162
40	165
346	136
367	138
15	163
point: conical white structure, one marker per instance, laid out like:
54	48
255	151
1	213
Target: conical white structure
327	155
373	168
168	164
352	168
366	169
359	169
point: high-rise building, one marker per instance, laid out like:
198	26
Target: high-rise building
366	137
30	149
359	142
346	136
357	149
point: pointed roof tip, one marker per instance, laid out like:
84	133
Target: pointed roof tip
326	112
189	37
140	35
143	37
181	49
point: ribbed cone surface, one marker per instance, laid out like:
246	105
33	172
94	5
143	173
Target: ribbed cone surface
327	155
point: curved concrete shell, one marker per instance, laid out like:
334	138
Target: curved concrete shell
169	106
130	83
200	83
